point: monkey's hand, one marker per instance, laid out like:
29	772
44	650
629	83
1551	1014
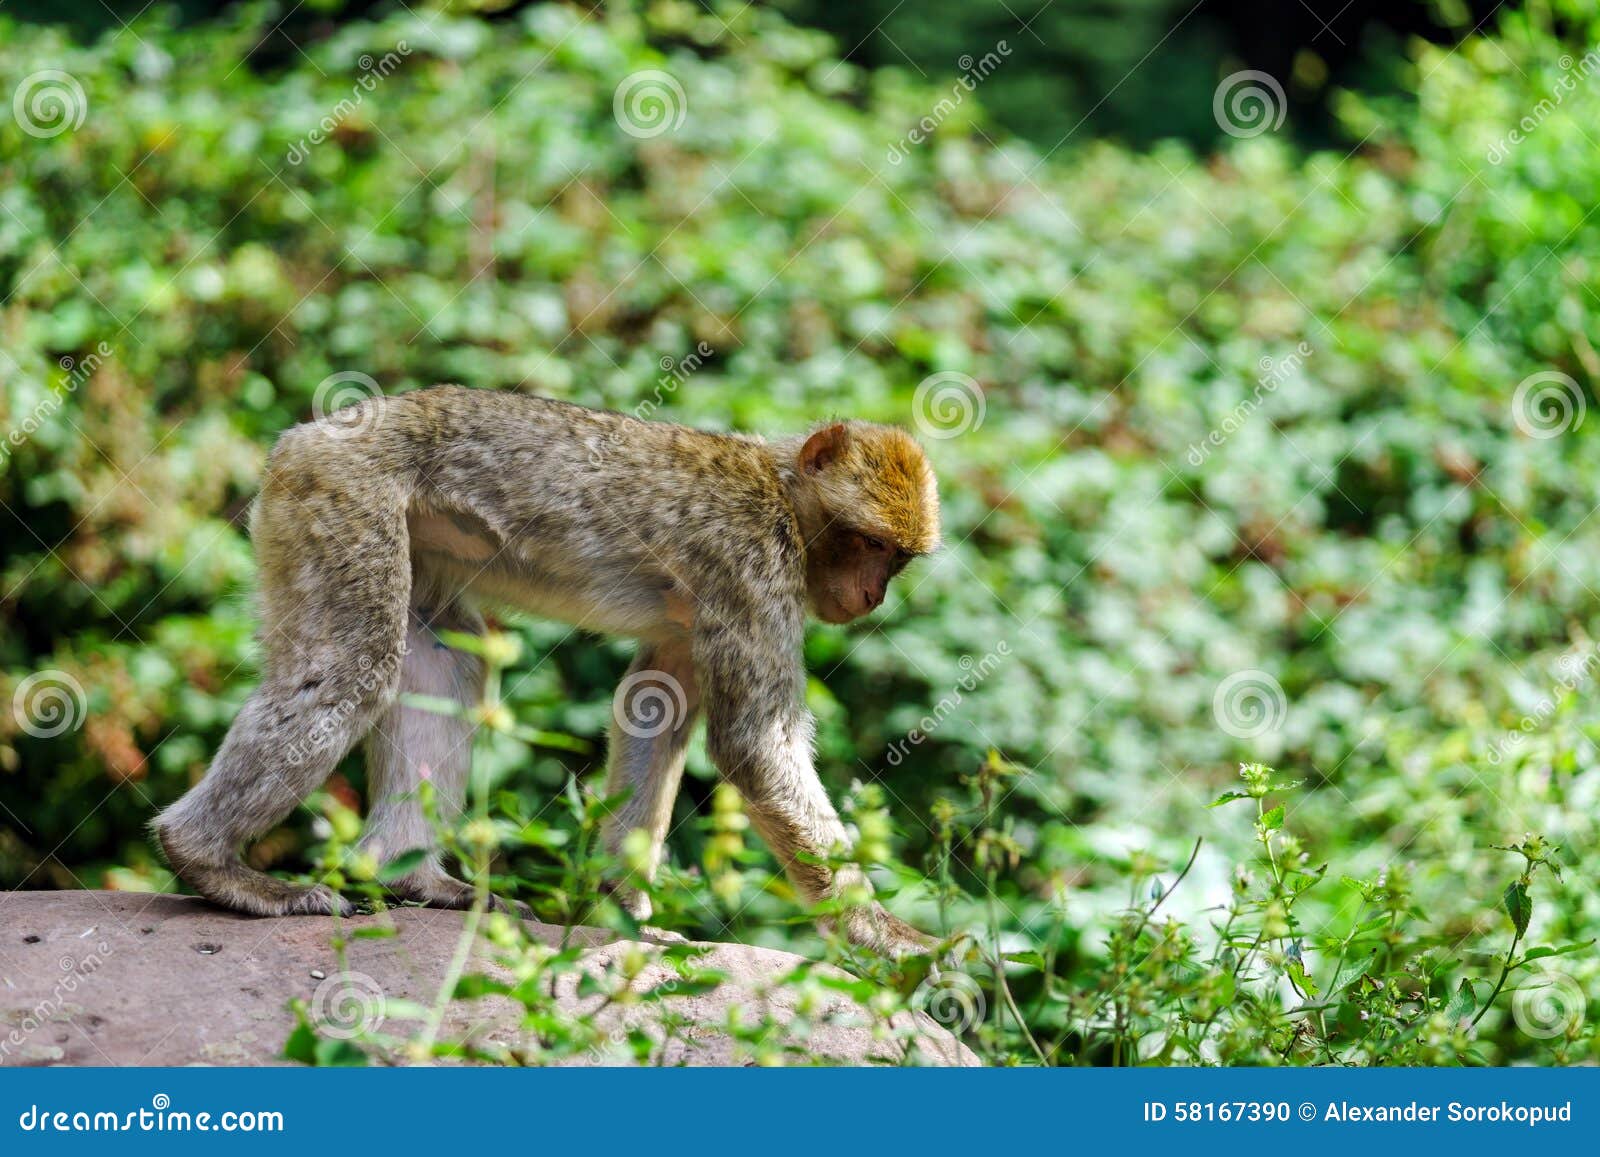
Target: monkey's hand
873	927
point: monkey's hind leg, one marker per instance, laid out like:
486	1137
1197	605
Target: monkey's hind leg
283	745
335	581
410	744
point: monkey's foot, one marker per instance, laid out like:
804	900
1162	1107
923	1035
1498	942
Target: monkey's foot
438	889
230	883
257	894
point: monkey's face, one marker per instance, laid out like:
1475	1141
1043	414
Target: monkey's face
869	506
848	573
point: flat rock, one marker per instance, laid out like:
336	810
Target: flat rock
118	978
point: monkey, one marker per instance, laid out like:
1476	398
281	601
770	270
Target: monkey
392	520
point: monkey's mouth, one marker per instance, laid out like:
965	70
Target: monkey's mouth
836	613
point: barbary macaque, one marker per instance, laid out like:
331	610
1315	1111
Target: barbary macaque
390	521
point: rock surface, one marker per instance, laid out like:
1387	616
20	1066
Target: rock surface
114	978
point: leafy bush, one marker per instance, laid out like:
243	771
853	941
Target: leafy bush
1251	481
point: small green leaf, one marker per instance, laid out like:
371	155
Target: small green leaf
686	986
1298	974
476	984
302	1044
552	739
403	863
1463	1004
1273	820
1227	797
1031	959
1519	905
340	1054
1564	950
438	704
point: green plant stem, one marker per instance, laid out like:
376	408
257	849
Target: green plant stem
1505	971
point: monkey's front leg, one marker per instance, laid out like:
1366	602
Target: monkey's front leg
652	715
759	735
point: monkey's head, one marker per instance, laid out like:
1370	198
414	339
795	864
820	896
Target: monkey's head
868	505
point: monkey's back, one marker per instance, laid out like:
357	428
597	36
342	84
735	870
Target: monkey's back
562	497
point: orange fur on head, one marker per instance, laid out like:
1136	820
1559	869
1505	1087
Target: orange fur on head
881	475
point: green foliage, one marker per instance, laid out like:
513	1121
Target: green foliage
1251	415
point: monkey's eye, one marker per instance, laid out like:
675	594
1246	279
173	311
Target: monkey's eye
876	545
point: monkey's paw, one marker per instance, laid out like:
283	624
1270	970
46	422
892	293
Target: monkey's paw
873	927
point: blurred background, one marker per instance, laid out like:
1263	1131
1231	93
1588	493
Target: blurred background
1254	344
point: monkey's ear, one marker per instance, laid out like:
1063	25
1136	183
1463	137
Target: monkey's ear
823	448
